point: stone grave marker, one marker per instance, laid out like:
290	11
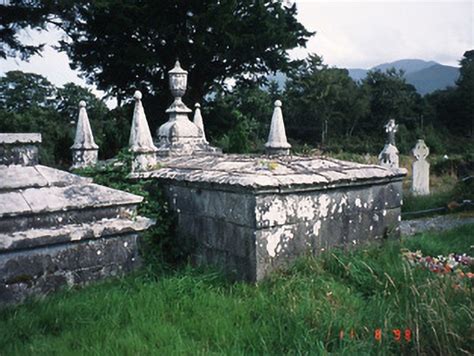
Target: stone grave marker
421	169
389	155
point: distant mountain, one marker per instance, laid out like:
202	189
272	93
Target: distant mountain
425	76
407	65
357	73
433	78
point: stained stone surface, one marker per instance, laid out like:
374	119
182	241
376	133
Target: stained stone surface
252	214
197	120
83	158
19	148
389	156
421	169
59	229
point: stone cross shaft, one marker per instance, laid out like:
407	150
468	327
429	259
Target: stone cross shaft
389	156
421	169
391	128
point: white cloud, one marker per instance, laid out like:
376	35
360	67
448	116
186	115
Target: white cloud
367	33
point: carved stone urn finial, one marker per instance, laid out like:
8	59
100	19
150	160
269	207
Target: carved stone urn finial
179	135
178	80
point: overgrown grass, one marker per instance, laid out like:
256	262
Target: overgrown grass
412	203
300	311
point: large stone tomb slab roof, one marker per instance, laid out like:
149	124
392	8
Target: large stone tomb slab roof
269	173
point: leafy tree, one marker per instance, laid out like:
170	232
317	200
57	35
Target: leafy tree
391	97
21	91
122	45
30	103
239	120
465	91
453	108
322	102
68	98
19	15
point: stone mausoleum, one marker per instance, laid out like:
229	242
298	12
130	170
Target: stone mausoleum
251	214
57	228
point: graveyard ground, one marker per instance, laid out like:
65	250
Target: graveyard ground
355	303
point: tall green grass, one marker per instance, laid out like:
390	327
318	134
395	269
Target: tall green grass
298	311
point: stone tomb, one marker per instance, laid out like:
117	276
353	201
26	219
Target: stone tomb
57	228
251	214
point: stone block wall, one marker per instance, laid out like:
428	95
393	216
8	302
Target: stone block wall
38	271
249	233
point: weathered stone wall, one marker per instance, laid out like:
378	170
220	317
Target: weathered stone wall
248	234
216	227
20	149
289	225
39	271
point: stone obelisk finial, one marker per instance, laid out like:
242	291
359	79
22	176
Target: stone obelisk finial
141	142
277	143
389	155
84	149
198	120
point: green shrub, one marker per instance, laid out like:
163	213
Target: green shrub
157	242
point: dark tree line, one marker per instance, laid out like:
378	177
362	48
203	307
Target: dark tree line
123	45
126	44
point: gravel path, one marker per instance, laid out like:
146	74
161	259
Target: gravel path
438	223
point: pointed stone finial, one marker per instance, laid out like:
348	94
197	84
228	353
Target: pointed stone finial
140	135
421	169
198	119
84	149
141	142
277	143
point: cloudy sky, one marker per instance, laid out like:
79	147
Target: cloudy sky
362	34
351	34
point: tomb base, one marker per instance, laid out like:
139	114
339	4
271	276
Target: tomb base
251	215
